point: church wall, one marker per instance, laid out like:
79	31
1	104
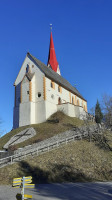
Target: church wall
33	89
82	113
67	108
17	99
41	106
25	90
32	114
16	117
51	108
65	95
25	114
40	112
22	71
37	86
52	94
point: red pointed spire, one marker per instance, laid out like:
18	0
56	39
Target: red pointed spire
52	61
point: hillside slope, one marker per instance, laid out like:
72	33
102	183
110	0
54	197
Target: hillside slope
79	161
57	123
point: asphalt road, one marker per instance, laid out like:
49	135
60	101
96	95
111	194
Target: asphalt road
71	191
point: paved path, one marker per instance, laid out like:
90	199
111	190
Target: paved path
71	191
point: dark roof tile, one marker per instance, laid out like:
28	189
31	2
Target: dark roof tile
54	76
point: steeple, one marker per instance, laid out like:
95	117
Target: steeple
52	61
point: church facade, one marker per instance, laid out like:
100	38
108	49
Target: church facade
40	91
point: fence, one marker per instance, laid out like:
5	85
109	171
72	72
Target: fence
39	150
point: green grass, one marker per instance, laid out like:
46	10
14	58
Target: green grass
57	123
80	161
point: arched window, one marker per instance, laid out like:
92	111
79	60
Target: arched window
59	101
72	100
59	89
52	85
27	68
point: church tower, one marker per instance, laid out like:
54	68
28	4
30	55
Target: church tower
52	61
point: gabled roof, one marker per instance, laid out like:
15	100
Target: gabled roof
55	76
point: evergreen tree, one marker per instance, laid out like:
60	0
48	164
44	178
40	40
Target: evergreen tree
98	113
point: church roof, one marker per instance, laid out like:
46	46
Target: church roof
52	61
55	76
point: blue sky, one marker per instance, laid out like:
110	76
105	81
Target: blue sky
82	33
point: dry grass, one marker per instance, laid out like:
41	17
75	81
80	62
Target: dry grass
57	123
79	161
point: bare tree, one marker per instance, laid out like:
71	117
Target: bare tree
107	109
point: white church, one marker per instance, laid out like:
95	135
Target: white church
40	91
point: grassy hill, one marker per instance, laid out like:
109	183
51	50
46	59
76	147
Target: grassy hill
79	161
57	123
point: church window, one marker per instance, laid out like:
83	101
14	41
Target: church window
52	96
59	89
27	68
39	94
52	85
72	100
32	66
27	92
59	101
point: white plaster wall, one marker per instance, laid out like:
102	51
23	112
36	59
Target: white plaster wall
82	113
22	71
63	108
25	88
32	120
76	110
50	91
68	109
40	112
51	108
72	110
25	114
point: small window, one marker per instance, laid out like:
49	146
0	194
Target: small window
27	68
32	66
52	96
27	92
39	94
59	89
59	101
52	85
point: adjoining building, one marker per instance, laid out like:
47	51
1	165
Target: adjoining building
40	91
